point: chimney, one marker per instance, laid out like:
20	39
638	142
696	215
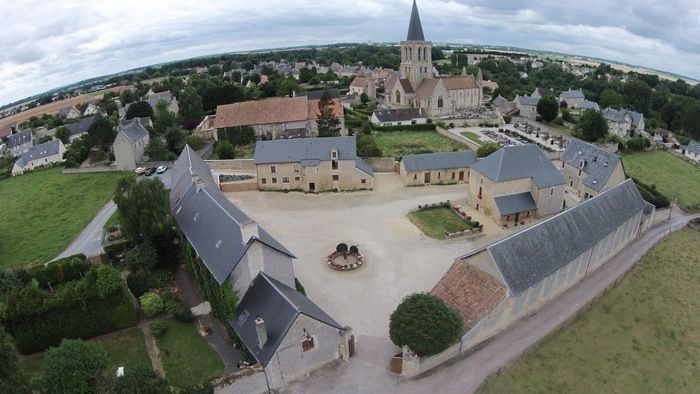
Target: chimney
249	229
261	330
199	183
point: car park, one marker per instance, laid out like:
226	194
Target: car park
161	169
149	171
139	170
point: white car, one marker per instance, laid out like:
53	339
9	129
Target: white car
140	170
161	169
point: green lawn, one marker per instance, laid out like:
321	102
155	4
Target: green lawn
473	137
672	176
42	211
435	221
641	336
187	357
398	143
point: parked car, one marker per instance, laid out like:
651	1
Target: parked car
149	171
139	170
161	169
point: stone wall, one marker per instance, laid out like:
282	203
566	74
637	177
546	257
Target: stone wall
244	186
383	164
241	165
249	380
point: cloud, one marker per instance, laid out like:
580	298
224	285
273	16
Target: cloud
49	44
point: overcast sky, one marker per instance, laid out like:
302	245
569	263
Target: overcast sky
47	44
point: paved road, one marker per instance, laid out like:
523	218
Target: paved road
368	372
89	241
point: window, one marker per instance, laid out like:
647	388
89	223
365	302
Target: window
579	172
274	180
439	174
285	179
398	97
308	343
415	176
297	168
273	169
562	164
296	178
453	176
334	164
263	181
336	177
334	155
440	102
364	181
551	192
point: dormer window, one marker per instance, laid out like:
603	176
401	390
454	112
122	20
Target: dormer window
334	154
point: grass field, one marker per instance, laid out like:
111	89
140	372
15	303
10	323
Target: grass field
472	136
44	210
187	357
435	221
398	143
672	176
641	336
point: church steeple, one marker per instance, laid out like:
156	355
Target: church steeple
415	29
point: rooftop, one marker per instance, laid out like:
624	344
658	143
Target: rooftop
437	161
598	163
40	151
399	114
519	162
415	28
268	111
298	149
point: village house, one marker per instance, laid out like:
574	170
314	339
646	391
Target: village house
623	123
312	165
364	85
130	143
436	168
572	98
516	184
79	128
69	112
153	99
92	109
419	87
588	169
398	117
503	105
45	154
527	106
20	142
692	151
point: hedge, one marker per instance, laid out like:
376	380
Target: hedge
60	271
650	194
412	127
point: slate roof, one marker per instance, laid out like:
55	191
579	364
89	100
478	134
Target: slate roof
363	166
438	161
134	132
525	100
298	149
40	151
509	204
502	103
415	28
693	147
211	223
599	164
616	116
526	258
519	162
268	111
587	104
81	126
279	306
573	94
21	138
397	115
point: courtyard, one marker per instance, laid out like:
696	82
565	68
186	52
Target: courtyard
399	258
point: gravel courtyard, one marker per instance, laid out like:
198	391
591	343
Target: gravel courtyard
399	258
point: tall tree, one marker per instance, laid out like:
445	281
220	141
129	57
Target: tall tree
73	367
548	108
592	126
190	105
101	133
328	124
143	207
140	109
610	98
12	380
164	119
63	134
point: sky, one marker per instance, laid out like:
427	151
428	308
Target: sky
48	44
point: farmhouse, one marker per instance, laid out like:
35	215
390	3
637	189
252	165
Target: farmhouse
692	151
153	99
527	105
588	169
39	155
69	112
19	143
79	128
364	85
312	165
398	117
503	105
130	143
436	168
624	122
516	184
572	98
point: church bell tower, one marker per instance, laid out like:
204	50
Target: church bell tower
416	53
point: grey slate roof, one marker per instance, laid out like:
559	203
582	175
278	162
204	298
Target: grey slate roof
363	166
573	94
317	94
509	204
134	131
694	147
21	138
415	28
46	149
439	161
211	223
587	104
599	164
279	306
81	126
298	149
526	258
526	100
519	162
398	115
616	116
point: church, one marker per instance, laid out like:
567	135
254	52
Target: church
420	87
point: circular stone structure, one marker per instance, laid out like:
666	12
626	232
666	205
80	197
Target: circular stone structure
345	260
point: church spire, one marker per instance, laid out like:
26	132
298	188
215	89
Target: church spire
415	29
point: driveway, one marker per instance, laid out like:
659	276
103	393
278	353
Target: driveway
399	258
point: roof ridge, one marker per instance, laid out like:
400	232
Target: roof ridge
269	280
219	205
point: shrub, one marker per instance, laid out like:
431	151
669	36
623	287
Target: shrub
367	147
638	144
177	309
413	127
151	303
143	256
73	367
425	324
141	380
108	281
487	149
507	118
139	283
158	328
225	150
60	271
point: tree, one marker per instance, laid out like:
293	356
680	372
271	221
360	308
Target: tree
63	134
140	380
610	98
364	98
592	126
101	134
190	108
143	207
195	142
425	324
140	109
225	150
151	303
328	124
487	149
367	147
156	150
12	380
175	139
548	108
73	367
142	256
127	96
238	135
108	281
164	119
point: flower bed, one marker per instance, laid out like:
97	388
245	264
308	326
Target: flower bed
355	257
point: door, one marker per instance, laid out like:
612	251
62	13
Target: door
312	186
426	177
461	175
351	345
517	218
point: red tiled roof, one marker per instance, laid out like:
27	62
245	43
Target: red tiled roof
273	110
470	291
358	82
426	88
407	88
6	130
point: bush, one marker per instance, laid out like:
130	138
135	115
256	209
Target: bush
108	281
73	367
151	303
60	271
651	195
507	118
177	309
638	144
139	283
487	149
143	256
141	380
413	127
240	135
425	324
225	150
367	147
158	328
